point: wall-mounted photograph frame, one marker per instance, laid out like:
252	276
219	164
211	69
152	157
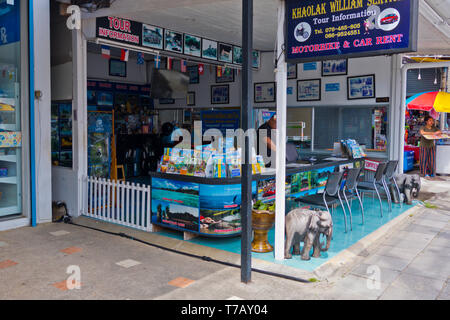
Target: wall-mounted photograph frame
190	98
194	77
220	94
117	68
227	75
237	55
173	41
152	36
225	52
256	59
334	67
209	49
309	90
264	92
291	71
361	87
192	45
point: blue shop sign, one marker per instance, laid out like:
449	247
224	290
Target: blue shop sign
220	119
9	22
326	29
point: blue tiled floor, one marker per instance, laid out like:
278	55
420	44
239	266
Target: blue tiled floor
340	242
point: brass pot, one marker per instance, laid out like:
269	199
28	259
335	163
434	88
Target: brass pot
262	222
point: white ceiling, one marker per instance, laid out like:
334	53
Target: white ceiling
221	20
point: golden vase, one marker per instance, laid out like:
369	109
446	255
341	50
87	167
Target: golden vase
262	222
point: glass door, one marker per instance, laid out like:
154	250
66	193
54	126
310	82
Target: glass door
10	110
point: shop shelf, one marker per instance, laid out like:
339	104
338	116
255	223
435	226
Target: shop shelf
8	126
8	210
8	180
9	158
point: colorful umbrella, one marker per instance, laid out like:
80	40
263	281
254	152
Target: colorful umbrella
426	101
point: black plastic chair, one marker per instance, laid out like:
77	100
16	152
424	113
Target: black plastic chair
350	191
373	186
389	174
330	196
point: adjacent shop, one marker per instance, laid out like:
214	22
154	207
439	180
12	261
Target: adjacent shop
22	137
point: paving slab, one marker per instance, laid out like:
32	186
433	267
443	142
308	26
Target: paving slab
413	287
430	264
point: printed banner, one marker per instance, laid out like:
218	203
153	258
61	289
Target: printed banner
319	30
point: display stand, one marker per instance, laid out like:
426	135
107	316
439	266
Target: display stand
211	207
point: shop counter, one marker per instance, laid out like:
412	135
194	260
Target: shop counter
211	206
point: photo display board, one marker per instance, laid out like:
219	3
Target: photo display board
326	29
148	36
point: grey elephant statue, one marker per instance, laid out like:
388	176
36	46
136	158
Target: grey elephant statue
409	187
306	226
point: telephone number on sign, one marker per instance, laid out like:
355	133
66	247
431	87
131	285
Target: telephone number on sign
343	27
342	34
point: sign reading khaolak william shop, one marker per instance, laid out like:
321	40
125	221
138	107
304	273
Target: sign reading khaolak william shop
326	29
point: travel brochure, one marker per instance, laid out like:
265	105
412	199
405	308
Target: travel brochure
207	162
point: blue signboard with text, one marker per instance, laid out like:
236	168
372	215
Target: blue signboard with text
9	22
329	29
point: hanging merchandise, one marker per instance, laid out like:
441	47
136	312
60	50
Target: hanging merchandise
100	138
219	72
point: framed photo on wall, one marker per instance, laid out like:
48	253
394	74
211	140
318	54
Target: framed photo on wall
209	49
193	74
334	67
220	94
227	75
225	52
292	71
117	68
361	87
264	92
309	90
190	98
237	55
192	45
173	41
256	59
152	36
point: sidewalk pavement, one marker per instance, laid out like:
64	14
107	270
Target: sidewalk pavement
409	260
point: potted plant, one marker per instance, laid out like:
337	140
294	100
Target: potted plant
263	218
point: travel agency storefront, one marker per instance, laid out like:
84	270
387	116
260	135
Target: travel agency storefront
354	97
24	107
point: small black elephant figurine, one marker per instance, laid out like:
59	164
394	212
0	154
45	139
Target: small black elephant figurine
307	226
409	187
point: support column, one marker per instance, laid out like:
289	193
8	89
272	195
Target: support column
281	79
246	116
79	49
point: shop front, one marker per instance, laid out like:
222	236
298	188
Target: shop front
139	76
21	136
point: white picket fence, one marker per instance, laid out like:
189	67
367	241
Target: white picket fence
123	203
